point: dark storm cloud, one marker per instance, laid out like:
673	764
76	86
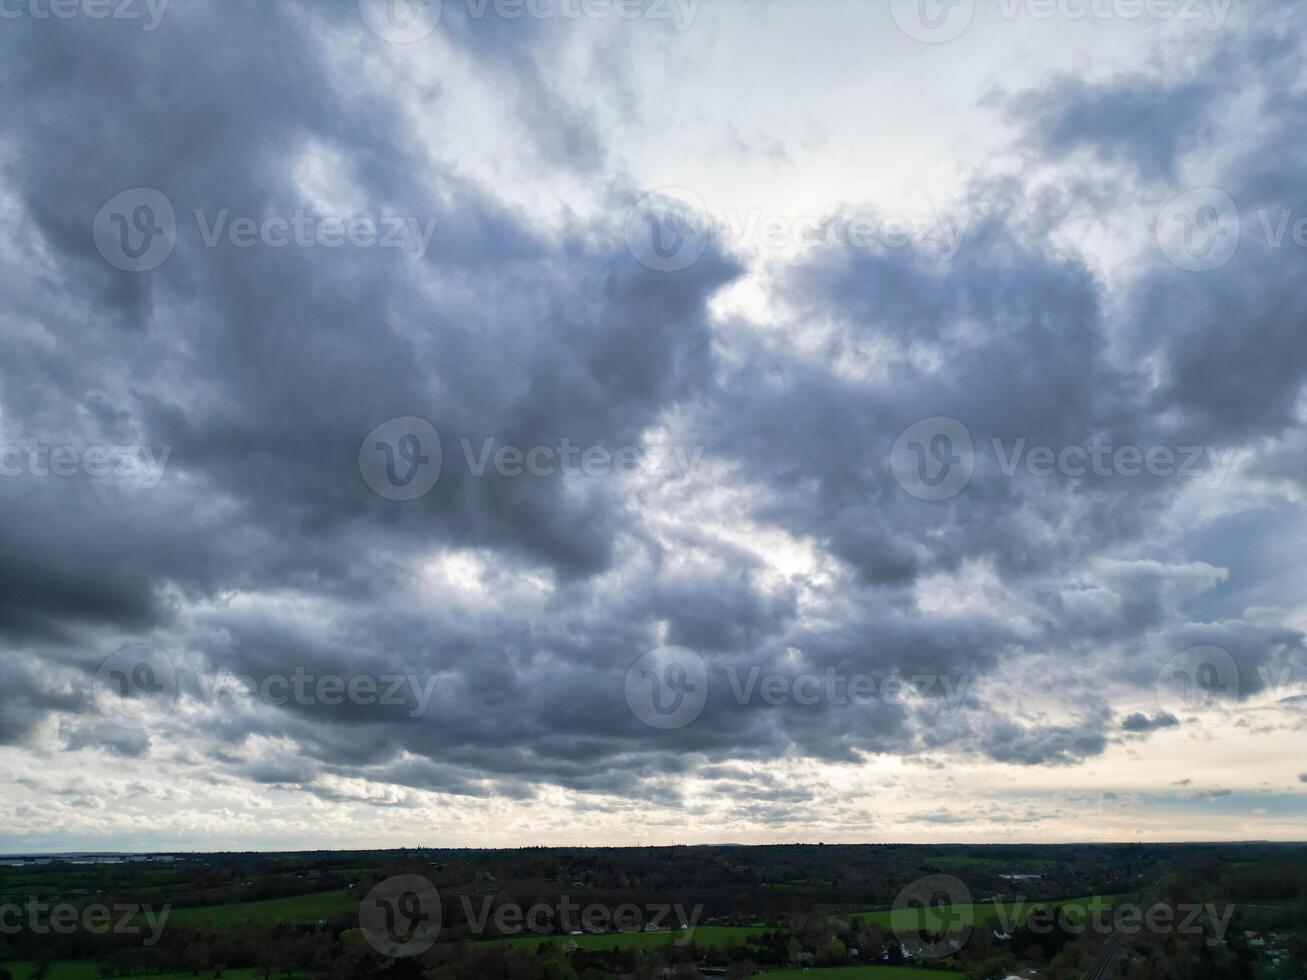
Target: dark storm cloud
1139	722
263	369
25	700
261	550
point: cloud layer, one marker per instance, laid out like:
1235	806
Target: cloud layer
1133	428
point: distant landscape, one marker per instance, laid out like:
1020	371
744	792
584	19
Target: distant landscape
824	912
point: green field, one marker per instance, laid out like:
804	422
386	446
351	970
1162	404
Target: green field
86	970
970	915
858	973
701	936
297	910
43	881
966	861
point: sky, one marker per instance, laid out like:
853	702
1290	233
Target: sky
492	423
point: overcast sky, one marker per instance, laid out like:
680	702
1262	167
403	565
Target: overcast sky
561	422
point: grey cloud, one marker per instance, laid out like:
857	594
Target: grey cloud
1141	121
262	550
1140	723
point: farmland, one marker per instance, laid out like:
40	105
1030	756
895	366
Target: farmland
1015	912
858	973
87	970
764	911
701	936
297	910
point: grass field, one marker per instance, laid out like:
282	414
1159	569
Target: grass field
701	936
858	973
966	861
86	970
970	915
42	881
297	910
